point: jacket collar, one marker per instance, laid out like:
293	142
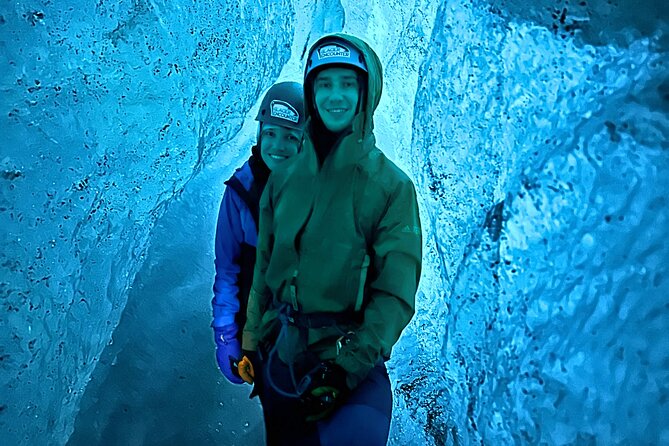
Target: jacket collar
347	151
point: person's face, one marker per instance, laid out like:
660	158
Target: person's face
278	143
336	92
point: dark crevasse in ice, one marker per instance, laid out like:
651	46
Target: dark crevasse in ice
537	138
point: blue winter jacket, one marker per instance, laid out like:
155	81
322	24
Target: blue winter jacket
236	234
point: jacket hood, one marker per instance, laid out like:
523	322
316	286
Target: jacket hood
363	122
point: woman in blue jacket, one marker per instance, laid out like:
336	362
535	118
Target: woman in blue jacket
281	120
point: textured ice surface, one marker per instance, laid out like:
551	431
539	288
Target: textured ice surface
158	382
108	110
537	137
544	166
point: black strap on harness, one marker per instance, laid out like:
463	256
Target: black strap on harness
288	316
247	259
321	319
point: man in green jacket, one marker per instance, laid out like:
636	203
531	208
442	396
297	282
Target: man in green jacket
338	264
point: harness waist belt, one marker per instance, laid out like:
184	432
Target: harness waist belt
323	319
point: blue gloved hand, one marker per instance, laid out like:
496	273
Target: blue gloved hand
228	352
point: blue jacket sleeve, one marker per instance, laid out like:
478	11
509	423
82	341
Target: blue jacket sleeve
229	237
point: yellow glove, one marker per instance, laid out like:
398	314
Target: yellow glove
245	369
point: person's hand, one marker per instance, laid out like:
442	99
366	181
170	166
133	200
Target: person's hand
228	352
326	388
245	368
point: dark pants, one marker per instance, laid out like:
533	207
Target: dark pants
363	419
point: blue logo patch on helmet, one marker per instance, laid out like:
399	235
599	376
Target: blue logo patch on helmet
333	50
283	110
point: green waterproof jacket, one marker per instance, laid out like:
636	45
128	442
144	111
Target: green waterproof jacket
345	236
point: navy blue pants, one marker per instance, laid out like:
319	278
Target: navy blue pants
363	419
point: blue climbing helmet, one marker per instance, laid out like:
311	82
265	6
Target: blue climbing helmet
283	105
334	50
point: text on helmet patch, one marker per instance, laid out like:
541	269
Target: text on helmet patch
333	50
283	110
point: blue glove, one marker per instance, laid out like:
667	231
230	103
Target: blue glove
228	352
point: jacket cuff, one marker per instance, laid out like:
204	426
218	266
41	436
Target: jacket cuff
249	342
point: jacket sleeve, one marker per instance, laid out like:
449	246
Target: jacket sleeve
397	255
229	237
258	298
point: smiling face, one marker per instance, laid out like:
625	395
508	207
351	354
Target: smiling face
336	93
278	143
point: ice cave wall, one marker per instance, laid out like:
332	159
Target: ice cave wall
545	183
109	110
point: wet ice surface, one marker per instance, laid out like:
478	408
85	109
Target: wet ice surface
545	186
109	110
537	138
